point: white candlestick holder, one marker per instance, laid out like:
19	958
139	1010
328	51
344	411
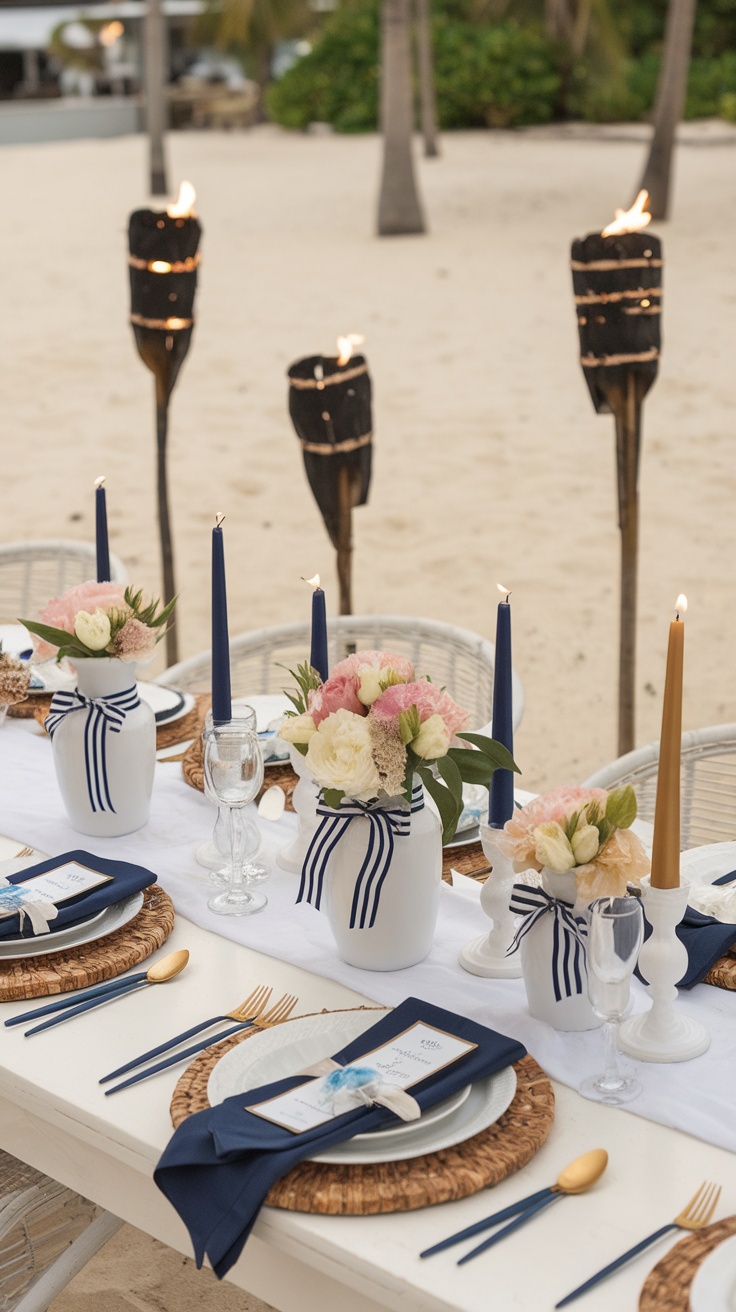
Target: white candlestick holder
486	955
304	799
663	1034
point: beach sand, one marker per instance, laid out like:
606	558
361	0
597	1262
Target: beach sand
490	463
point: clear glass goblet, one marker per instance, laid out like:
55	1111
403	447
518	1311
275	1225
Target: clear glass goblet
213	855
233	769
615	935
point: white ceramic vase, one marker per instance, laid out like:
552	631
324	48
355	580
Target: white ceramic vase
106	778
304	799
403	930
536	950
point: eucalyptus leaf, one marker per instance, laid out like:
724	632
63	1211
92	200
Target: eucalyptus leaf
443	800
474	767
496	752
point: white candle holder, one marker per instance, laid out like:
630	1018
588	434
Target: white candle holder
661	1034
486	955
304	799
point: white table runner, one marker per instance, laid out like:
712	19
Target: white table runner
695	1096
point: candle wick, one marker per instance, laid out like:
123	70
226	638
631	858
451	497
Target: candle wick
219	518
100	481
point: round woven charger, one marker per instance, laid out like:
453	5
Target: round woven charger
91	963
438	1177
187	726
667	1287
192	767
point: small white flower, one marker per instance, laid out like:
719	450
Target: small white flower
585	843
433	739
340	755
297	728
93	629
369	684
552	848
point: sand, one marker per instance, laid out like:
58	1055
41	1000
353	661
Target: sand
490	463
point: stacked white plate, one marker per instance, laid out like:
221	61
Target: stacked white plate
274	1054
714	1286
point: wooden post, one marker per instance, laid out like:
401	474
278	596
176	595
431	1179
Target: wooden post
427	98
164	519
627	411
156	65
344	539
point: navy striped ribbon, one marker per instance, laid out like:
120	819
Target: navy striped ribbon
103	713
568	941
385	827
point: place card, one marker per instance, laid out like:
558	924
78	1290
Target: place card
418	1052
55	886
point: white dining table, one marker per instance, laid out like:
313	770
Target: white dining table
55	1116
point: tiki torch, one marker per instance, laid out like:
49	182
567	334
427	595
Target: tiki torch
163	263
617	280
330	408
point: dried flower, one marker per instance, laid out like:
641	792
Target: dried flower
134	642
389	754
14	680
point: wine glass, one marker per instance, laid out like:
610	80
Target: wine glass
213	855
615	935
233	770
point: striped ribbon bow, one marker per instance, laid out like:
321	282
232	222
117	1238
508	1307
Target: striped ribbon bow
385	827
103	713
568	941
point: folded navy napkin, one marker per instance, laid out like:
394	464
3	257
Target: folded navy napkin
706	940
124	878
221	1163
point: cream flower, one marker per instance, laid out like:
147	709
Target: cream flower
585	843
369	684
339	756
93	629
433	739
552	848
297	728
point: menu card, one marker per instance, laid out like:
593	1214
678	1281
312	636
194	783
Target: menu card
55	886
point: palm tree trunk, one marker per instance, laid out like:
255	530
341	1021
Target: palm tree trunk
427	99
155	83
399	209
669	104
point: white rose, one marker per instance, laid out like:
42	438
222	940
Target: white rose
552	848
369	684
297	728
340	755
585	843
93	630
433	739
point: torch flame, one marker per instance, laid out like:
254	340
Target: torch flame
681	605
505	592
632	220
110	33
99	482
313	583
183	208
345	346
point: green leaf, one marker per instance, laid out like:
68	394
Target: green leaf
68	643
496	753
302	748
332	796
474	767
621	807
444	801
409	725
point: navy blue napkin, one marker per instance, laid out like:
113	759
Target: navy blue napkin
221	1163
125	878
706	940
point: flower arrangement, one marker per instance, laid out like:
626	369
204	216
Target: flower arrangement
583	830
100	619
371	726
14	679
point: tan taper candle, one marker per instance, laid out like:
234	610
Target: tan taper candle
666	841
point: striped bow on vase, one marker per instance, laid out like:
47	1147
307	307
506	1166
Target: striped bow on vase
552	935
376	868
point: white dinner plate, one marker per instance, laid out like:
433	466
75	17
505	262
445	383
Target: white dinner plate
15	639
287	1049
167	704
112	918
714	1286
700	867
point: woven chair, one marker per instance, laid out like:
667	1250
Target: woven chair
708	774
33	572
457	659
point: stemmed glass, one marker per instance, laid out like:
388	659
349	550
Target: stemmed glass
233	771
615	935
213	854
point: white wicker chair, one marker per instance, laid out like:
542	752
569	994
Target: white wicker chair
33	572
708	774
457	659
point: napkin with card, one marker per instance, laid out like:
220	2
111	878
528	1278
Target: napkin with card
221	1163
58	892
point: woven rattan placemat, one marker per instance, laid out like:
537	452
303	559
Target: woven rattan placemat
440	1177
667	1287
167	735
106	958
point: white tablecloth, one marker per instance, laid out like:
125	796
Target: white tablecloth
695	1096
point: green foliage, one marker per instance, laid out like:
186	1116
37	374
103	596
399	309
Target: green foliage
306	679
338	82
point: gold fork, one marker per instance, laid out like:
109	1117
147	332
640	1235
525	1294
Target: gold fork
281	1010
24	851
694	1216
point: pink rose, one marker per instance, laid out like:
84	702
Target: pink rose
378	660
60	611
338	693
428	699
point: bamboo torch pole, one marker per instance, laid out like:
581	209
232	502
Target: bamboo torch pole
628	445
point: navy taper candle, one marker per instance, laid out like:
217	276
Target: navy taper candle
318	658
501	797
221	703
103	547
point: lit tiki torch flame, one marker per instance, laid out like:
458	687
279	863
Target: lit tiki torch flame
617	281
346	346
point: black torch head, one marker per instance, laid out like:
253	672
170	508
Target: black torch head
330	408
617	282
163	262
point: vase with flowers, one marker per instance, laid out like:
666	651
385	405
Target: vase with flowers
581	843
374	737
103	736
14	680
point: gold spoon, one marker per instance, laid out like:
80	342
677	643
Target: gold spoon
159	973
576	1177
